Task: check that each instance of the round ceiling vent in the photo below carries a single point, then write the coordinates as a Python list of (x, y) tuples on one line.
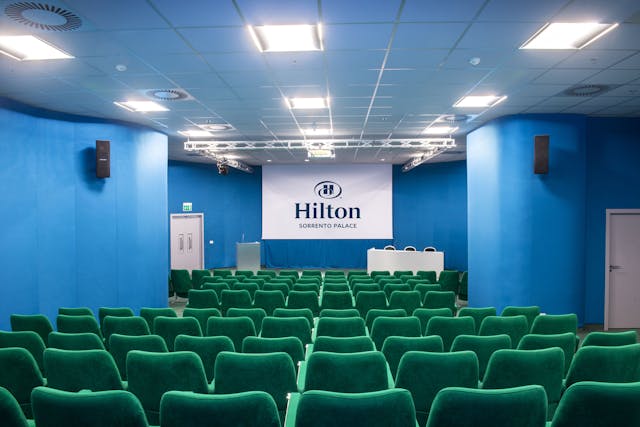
[(43, 16), (586, 90), (455, 118), (215, 127), (167, 94)]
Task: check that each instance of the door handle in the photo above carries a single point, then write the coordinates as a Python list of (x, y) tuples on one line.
[(614, 267), (181, 242), (190, 242)]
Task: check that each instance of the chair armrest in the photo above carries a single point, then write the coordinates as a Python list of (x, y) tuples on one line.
[(302, 375), (292, 409)]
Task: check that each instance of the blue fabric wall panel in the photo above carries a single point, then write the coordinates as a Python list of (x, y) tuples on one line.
[(613, 182), (526, 231)]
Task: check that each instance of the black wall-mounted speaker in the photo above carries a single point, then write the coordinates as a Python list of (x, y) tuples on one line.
[(541, 154), (103, 159)]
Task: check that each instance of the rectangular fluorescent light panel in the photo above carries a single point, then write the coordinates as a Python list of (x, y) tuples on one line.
[(30, 48), (141, 106), (479, 101), (286, 38), (321, 153), (307, 103), (567, 35), (439, 130), (195, 133)]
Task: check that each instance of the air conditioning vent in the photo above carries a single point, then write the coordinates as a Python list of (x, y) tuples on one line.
[(43, 16)]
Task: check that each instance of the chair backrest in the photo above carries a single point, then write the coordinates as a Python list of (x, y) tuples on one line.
[(121, 345), (615, 364), (341, 327), (423, 288), (360, 287), (407, 300), (81, 341), (150, 313), (75, 311), (114, 312), (389, 248), (410, 248), (294, 312), (38, 323), (151, 374), (181, 281), (266, 273), (273, 286), (385, 408), (131, 325), (449, 328), (207, 348), (250, 287), (235, 298), (256, 315), (430, 275), (10, 412), (202, 315), (22, 376), (75, 370), (610, 338), (368, 300), (478, 314), (346, 372), (222, 272), (384, 327), (339, 313), (449, 280), (514, 368), (217, 287), (336, 300), (170, 327), (289, 273), (290, 345), (236, 328), (73, 324), (53, 408), (245, 273), (314, 286), (28, 340), (336, 287), (390, 287), (440, 299), (251, 408), (395, 347), (304, 299), (555, 324), (595, 403), (273, 373), (514, 326), (424, 314), (566, 341), (483, 347), (374, 313), (511, 407), (269, 300), (203, 298), (197, 276), (530, 312), (425, 373), (343, 344), (277, 327)]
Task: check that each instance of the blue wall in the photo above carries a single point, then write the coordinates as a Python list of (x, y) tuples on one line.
[(429, 209), (527, 231), (613, 182), (71, 239)]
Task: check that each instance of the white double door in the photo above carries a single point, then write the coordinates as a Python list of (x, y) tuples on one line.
[(187, 241)]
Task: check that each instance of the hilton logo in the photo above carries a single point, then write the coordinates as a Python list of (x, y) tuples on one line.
[(328, 189)]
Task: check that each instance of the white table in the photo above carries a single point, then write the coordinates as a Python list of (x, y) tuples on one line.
[(380, 259)]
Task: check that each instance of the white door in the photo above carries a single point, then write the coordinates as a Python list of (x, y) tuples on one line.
[(622, 302), (187, 241)]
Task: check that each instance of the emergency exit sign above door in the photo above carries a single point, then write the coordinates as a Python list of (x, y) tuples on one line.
[(187, 206)]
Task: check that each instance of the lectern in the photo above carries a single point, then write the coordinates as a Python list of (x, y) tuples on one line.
[(248, 256)]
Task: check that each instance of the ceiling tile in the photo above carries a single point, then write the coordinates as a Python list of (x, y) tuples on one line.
[(279, 12), (117, 14), (199, 13), (150, 42), (427, 36), (358, 11), (433, 10), (509, 10), (565, 76), (597, 59), (498, 35), (356, 36), (613, 77)]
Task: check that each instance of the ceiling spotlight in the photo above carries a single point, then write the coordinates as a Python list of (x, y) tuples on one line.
[(474, 61), (567, 35), (287, 38)]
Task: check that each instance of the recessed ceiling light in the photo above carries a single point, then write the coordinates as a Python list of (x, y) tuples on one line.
[(215, 127), (317, 131), (287, 38), (307, 103), (268, 160), (141, 106), (306, 160), (567, 35), (479, 101), (30, 48), (321, 153), (195, 133), (439, 130)]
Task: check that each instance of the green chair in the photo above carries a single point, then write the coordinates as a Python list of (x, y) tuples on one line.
[(395, 347), (345, 372), (235, 299), (290, 345), (407, 300), (424, 374), (368, 300), (306, 287), (610, 338), (389, 288), (282, 287), (341, 327), (181, 281), (304, 299), (343, 344), (423, 288), (362, 287), (266, 273), (217, 287), (429, 275), (289, 281), (379, 273), (309, 281), (197, 276), (221, 272), (55, 408), (599, 404), (515, 368), (121, 345), (511, 407), (202, 315), (406, 277), (269, 300), (614, 364), (207, 348), (385, 408), (311, 273), (113, 312), (384, 327), (28, 340), (151, 374), (236, 328), (336, 287), (478, 314), (449, 280), (463, 286), (257, 315), (354, 274), (232, 280), (566, 341), (293, 274), (246, 286), (133, 325), (273, 373), (424, 314), (440, 299), (209, 279), (170, 327), (245, 273), (514, 326), (72, 324), (80, 341), (75, 370), (20, 375), (555, 324), (203, 298), (251, 408), (334, 273), (448, 328), (483, 347), (38, 323), (277, 327), (339, 313), (75, 311), (374, 313), (336, 300), (150, 313), (10, 412), (400, 273), (294, 312), (362, 280), (530, 312)]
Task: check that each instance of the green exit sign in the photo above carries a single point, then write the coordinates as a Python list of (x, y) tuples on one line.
[(187, 206)]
